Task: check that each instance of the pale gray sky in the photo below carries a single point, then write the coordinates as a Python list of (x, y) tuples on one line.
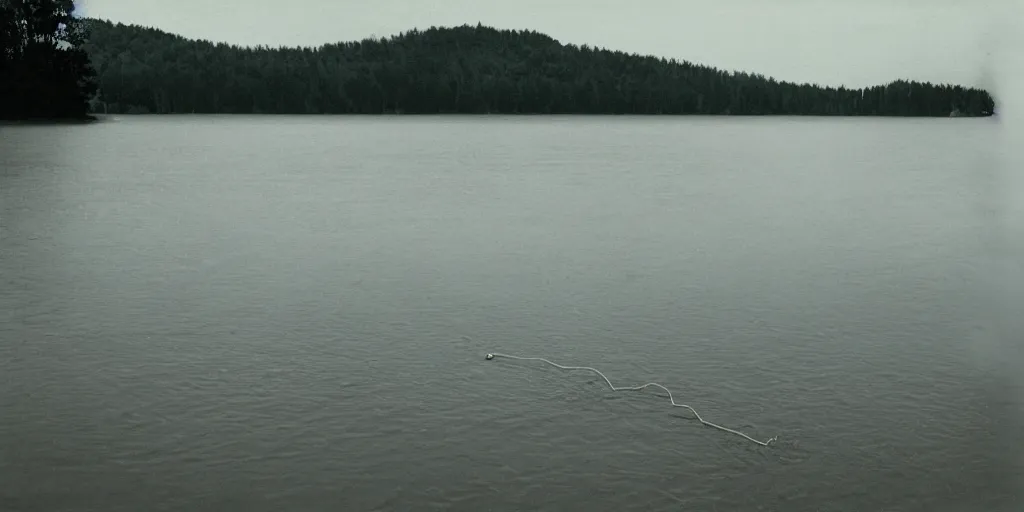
[(852, 42)]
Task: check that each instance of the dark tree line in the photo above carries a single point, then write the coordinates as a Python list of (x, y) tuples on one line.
[(44, 72), (464, 70)]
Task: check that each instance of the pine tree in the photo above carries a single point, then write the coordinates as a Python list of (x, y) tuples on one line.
[(44, 71)]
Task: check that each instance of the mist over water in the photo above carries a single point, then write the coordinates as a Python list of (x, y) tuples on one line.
[(1004, 349), (1010, 94)]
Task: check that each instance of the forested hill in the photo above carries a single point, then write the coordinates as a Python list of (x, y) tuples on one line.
[(463, 69)]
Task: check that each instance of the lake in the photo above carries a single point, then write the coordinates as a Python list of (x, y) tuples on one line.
[(292, 313)]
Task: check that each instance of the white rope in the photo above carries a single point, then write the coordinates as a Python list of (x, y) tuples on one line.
[(637, 388)]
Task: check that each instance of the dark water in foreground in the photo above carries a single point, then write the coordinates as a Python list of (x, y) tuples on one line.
[(244, 313)]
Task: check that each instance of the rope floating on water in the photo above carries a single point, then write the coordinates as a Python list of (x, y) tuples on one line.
[(637, 388)]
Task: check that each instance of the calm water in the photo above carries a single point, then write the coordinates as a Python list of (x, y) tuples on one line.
[(277, 313)]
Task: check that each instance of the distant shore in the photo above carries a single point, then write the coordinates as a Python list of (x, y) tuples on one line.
[(467, 70), (99, 116)]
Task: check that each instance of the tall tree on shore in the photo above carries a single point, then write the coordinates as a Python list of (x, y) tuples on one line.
[(44, 71)]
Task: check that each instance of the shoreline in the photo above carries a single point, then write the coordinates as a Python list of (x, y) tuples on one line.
[(91, 118), (520, 114)]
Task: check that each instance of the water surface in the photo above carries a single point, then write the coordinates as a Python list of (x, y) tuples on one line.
[(291, 313)]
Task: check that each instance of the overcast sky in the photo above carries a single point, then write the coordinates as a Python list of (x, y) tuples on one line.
[(852, 42)]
